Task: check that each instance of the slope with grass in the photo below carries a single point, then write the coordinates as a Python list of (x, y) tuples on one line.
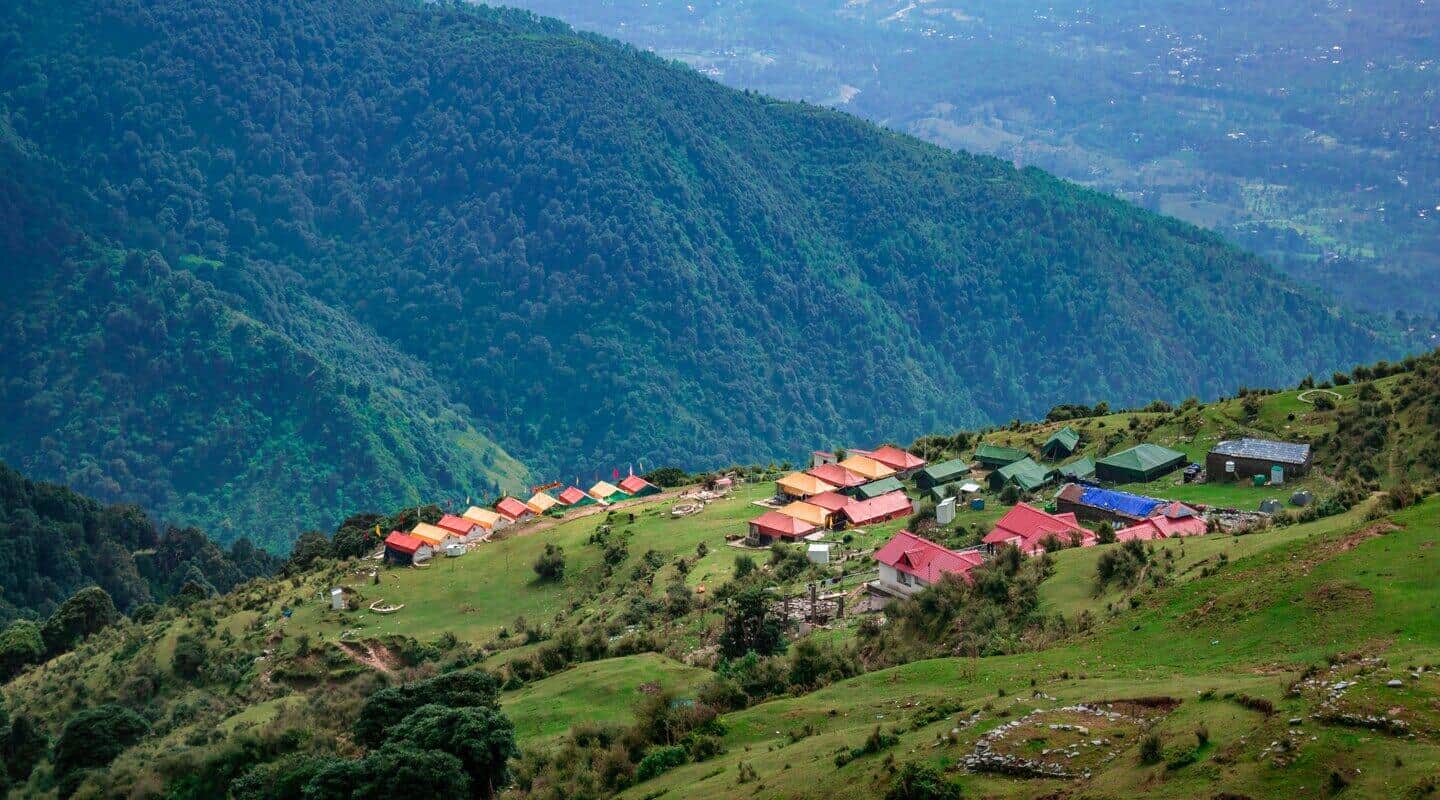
[(1227, 628)]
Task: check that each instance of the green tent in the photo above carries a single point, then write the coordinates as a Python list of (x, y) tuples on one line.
[(994, 456), (877, 488), (1081, 469), (1140, 464), (1025, 473), (944, 472), (1061, 444)]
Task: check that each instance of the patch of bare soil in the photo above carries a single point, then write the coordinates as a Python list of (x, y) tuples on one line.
[(371, 654)]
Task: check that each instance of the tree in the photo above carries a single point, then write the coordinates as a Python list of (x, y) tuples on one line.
[(482, 738), (667, 477), (87, 612), (189, 656), (1105, 533), (387, 707), (750, 626), (356, 536), (309, 547), (550, 566), (24, 746), (918, 780), (20, 645), (92, 739)]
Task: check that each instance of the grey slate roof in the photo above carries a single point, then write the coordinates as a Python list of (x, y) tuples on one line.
[(1264, 450)]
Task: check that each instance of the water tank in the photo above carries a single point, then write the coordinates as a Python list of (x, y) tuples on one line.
[(1277, 474)]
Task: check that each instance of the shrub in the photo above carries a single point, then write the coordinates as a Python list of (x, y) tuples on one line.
[(550, 566), (659, 760), (918, 780), (1150, 750)]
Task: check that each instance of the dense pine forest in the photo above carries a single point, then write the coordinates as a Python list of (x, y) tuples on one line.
[(271, 262)]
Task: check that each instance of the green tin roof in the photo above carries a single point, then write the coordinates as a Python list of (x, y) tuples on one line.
[(877, 488), (1026, 473), (999, 455), (945, 471), (1067, 437), (1142, 457), (1083, 467)]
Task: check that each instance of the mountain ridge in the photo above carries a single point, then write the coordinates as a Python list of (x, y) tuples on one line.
[(592, 257)]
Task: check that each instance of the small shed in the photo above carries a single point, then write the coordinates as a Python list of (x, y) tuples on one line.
[(773, 525), (1061, 444), (818, 553), (945, 511)]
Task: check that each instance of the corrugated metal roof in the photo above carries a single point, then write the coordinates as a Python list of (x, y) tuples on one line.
[(1264, 450)]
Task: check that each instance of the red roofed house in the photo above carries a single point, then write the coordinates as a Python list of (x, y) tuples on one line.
[(636, 486), (575, 496), (1162, 527), (514, 510), (904, 463), (467, 529), (1027, 527), (909, 563), (833, 503), (773, 525), (838, 476), (404, 549), (874, 511)]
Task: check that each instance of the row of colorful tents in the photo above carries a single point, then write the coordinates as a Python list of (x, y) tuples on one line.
[(478, 523)]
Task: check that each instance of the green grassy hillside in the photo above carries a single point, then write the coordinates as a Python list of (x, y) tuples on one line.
[(467, 232), (1227, 652)]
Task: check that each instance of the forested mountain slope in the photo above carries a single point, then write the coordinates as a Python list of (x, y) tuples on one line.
[(54, 542), (381, 233)]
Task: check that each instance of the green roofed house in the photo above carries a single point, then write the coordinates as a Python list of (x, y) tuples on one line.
[(1140, 464), (942, 473), (1081, 469), (1061, 444), (1025, 473), (994, 456), (874, 489)]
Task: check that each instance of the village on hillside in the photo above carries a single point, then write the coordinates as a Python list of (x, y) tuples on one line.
[(886, 521)]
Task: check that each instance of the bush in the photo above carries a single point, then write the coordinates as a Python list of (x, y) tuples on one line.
[(659, 760), (1150, 750), (92, 739), (189, 656), (918, 780), (550, 566)]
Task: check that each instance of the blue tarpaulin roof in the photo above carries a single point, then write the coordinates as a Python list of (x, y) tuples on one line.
[(1133, 505)]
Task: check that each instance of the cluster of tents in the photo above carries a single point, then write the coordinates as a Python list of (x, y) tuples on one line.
[(454, 532)]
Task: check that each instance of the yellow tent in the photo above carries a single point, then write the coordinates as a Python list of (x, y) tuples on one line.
[(606, 491), (541, 502), (432, 535), (483, 517), (815, 515), (798, 484), (867, 467)]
